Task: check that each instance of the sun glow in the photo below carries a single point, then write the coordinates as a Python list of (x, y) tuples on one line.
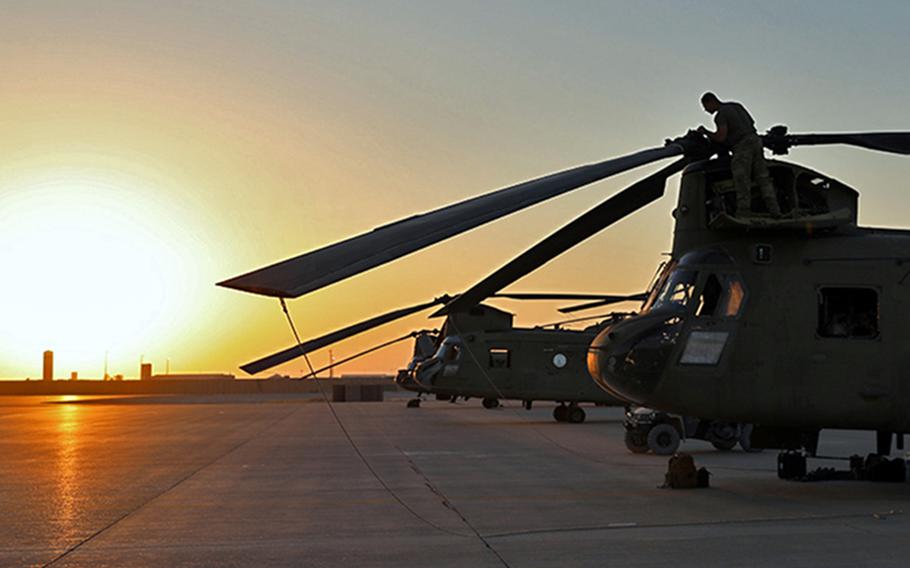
[(89, 266)]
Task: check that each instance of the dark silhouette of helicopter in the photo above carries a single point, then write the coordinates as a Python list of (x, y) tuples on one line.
[(479, 353), (794, 324)]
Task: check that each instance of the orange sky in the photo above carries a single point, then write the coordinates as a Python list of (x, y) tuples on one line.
[(148, 152)]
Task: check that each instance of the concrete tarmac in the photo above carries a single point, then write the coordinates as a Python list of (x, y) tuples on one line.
[(274, 481)]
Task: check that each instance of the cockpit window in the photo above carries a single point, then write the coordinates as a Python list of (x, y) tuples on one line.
[(449, 350), (709, 297), (657, 285), (678, 288), (736, 293), (721, 296), (451, 354)]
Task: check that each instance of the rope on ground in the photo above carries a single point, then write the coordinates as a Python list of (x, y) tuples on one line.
[(353, 444)]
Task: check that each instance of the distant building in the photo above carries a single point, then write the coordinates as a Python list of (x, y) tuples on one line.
[(74, 376), (47, 372), (145, 372)]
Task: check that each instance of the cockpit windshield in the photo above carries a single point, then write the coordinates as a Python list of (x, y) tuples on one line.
[(676, 289), (450, 349), (720, 296)]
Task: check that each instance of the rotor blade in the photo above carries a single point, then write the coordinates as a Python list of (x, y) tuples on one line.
[(586, 318), (604, 302), (297, 276), (362, 353), (295, 351), (595, 220), (896, 142), (553, 296)]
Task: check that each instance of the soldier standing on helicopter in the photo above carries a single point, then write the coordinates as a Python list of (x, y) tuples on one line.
[(736, 131)]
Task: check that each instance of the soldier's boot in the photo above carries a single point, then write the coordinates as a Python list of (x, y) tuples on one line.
[(743, 205), (769, 195), (770, 199)]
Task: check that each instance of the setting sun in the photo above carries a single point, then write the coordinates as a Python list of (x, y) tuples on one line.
[(97, 267)]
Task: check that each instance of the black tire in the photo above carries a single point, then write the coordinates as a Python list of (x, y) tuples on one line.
[(414, 403), (663, 439), (560, 413), (575, 415), (489, 403), (636, 442)]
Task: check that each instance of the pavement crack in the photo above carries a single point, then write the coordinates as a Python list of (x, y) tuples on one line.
[(451, 506)]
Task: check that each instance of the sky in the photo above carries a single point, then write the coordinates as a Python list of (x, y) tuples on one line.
[(149, 150)]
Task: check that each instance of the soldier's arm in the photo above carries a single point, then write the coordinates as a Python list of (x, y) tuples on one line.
[(719, 136)]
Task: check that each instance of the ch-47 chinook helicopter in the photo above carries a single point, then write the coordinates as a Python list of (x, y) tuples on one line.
[(794, 324), (479, 353)]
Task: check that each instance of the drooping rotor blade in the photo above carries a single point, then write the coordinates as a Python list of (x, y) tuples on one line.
[(779, 142), (611, 315), (595, 220), (604, 302), (312, 345), (313, 270), (362, 353), (554, 296)]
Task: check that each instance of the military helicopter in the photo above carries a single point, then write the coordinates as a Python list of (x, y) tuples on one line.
[(479, 353), (792, 324)]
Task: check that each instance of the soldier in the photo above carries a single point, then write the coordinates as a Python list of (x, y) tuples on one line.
[(736, 131)]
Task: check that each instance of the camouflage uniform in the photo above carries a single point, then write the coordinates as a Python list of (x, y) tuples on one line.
[(748, 162)]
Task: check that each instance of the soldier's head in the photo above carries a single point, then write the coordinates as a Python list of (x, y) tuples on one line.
[(710, 102)]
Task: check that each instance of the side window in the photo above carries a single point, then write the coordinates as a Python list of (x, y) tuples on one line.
[(500, 358), (847, 312)]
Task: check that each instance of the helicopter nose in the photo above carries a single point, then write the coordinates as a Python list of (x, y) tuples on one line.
[(627, 359)]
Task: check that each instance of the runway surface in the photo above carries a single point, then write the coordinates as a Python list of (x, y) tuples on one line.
[(274, 480)]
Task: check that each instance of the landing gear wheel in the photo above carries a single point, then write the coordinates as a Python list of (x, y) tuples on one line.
[(490, 403), (414, 403), (527, 404), (663, 439), (575, 414), (636, 442), (560, 413)]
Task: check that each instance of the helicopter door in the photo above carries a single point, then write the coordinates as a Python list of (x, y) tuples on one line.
[(707, 346)]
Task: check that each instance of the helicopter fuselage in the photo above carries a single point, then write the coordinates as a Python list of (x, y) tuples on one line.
[(521, 364), (480, 354), (797, 322)]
